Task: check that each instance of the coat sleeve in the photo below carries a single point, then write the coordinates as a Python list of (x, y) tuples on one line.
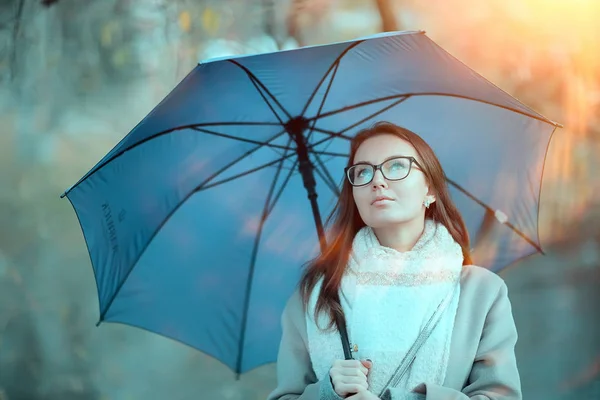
[(494, 374), (296, 379)]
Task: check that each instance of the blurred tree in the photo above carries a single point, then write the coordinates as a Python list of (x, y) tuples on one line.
[(389, 22), (270, 21), (21, 359), (25, 371), (15, 9), (313, 10)]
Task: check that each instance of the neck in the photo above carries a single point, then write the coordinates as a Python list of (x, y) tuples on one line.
[(401, 237)]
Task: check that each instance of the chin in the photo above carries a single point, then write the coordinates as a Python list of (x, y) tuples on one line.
[(387, 221)]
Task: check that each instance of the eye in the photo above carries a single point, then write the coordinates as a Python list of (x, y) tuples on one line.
[(362, 171), (398, 164)]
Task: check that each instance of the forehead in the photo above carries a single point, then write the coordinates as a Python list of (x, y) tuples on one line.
[(378, 148)]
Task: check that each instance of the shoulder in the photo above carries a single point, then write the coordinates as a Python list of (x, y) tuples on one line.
[(294, 307), (472, 275), (481, 285), (293, 319)]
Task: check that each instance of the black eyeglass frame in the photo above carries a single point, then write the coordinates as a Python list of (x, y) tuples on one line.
[(411, 160)]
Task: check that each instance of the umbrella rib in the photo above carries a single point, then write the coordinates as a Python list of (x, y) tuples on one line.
[(255, 84), (542, 180), (326, 176), (264, 216), (401, 100), (340, 133), (328, 153), (322, 101), (332, 134), (366, 103), (313, 145), (198, 188), (489, 209), (325, 152), (195, 190), (250, 171), (166, 132), (205, 186), (249, 123), (257, 81), (240, 158), (262, 144), (334, 64), (357, 105), (327, 131), (285, 182)]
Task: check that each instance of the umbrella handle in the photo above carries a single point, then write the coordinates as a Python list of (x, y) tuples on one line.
[(344, 335)]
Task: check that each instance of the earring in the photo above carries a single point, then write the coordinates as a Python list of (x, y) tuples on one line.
[(427, 202)]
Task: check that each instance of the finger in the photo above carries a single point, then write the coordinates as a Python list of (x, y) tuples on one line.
[(347, 363), (350, 363), (346, 389), (353, 364), (356, 364), (364, 369), (352, 372), (359, 380), (339, 380), (367, 363)]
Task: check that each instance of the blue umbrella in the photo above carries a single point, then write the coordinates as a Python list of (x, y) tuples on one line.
[(198, 221)]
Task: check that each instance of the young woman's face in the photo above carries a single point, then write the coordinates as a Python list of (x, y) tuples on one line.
[(405, 197)]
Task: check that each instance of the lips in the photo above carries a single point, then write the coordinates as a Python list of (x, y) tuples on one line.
[(380, 198)]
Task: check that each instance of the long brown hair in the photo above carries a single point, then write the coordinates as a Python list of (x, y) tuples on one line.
[(345, 221)]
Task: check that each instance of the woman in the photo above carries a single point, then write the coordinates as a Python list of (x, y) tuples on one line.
[(397, 274)]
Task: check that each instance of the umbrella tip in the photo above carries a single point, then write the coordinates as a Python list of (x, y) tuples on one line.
[(99, 322)]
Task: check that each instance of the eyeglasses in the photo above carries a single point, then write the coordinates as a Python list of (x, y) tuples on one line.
[(394, 169)]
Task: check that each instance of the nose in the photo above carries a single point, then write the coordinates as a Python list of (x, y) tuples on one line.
[(378, 181)]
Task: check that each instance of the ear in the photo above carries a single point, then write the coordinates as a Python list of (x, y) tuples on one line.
[(431, 198)]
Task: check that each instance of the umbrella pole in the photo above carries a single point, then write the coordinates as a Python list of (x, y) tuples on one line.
[(308, 177), (296, 128), (310, 185)]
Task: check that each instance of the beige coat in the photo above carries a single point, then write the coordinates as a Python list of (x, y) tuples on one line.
[(482, 361)]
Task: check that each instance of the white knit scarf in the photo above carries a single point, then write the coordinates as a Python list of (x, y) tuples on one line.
[(387, 297)]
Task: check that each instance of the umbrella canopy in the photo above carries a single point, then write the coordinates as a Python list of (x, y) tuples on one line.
[(198, 221)]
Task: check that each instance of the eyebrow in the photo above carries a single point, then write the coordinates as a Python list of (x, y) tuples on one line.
[(389, 158)]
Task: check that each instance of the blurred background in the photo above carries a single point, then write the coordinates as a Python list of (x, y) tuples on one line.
[(77, 75)]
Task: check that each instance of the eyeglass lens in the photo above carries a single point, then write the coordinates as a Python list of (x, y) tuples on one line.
[(394, 169)]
